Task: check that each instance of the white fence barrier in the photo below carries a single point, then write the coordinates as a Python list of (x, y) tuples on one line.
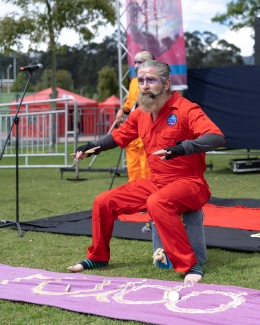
[(39, 131)]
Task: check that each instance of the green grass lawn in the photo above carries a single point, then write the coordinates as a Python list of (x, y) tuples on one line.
[(42, 193)]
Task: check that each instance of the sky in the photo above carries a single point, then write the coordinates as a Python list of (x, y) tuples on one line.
[(196, 15)]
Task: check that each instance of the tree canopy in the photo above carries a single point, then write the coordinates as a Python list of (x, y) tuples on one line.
[(84, 62), (107, 83), (239, 14), (41, 22), (64, 80), (19, 84), (80, 66), (206, 50)]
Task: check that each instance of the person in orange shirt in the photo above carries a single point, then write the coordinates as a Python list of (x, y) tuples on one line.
[(136, 160), (176, 134)]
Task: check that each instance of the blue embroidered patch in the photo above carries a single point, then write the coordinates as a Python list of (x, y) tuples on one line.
[(172, 120)]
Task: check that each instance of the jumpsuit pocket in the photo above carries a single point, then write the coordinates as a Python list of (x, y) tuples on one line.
[(169, 137)]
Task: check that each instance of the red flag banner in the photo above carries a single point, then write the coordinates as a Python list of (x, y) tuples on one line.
[(156, 25)]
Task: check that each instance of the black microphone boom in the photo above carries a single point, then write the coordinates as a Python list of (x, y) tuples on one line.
[(154, 95), (32, 67)]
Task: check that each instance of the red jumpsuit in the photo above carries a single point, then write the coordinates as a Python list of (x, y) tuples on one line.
[(174, 186)]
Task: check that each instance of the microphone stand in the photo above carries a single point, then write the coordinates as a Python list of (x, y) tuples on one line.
[(7, 223)]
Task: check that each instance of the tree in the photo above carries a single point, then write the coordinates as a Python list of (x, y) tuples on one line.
[(41, 21), (64, 80), (20, 82), (107, 83), (206, 50), (224, 54), (9, 59), (84, 62), (195, 49), (239, 14)]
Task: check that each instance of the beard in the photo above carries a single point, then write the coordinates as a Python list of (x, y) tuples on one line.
[(152, 105)]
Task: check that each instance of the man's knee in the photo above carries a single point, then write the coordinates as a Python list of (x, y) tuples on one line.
[(101, 198), (155, 202)]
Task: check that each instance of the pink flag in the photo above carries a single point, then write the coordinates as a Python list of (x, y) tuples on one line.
[(156, 25)]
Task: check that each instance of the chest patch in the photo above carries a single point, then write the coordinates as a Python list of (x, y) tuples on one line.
[(172, 120)]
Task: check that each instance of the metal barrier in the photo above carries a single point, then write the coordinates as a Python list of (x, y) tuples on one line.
[(40, 132), (106, 120)]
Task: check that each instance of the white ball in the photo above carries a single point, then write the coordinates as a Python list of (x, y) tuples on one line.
[(174, 296)]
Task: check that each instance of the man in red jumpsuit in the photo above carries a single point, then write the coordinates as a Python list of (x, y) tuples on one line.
[(176, 134), (138, 167)]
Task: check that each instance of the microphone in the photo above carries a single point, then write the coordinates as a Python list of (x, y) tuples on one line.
[(32, 67), (154, 95)]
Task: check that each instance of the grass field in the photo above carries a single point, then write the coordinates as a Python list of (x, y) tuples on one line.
[(42, 193)]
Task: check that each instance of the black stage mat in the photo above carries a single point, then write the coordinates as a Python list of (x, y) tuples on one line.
[(247, 203), (79, 223)]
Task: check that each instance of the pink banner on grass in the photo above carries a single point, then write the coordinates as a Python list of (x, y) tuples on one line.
[(145, 300), (156, 25)]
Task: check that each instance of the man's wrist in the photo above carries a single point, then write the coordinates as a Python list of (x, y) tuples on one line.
[(176, 151)]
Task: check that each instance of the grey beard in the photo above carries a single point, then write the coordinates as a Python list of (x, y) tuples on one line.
[(152, 105)]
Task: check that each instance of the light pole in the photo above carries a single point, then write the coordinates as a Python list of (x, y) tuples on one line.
[(14, 57), (8, 78)]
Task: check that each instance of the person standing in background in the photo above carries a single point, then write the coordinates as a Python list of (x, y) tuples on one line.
[(136, 160)]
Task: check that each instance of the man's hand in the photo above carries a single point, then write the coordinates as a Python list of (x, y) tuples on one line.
[(80, 152), (170, 152), (120, 115)]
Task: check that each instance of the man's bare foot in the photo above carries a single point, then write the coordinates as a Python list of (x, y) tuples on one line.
[(76, 268), (192, 278)]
